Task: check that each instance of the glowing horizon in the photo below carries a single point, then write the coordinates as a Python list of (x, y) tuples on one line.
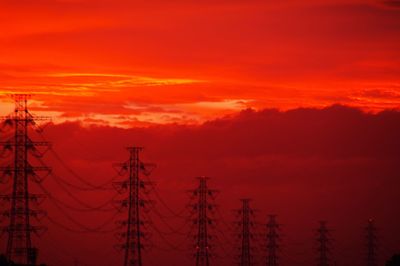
[(96, 59)]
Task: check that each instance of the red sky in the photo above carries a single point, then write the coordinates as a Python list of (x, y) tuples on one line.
[(242, 91), (138, 62)]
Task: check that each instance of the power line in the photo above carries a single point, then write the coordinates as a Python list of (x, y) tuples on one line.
[(83, 227), (166, 241), (19, 245), (77, 176), (160, 199), (90, 186), (87, 207), (65, 182), (177, 231), (82, 203)]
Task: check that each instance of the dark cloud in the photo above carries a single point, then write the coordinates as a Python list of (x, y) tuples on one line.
[(337, 163), (392, 3)]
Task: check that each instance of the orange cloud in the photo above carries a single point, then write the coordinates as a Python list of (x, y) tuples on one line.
[(86, 58)]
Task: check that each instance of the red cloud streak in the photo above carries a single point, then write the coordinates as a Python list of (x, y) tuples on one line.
[(265, 54)]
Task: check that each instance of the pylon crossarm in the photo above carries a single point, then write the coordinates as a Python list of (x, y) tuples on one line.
[(19, 245)]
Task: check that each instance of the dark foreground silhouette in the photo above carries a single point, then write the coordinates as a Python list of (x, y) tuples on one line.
[(394, 261), (5, 262)]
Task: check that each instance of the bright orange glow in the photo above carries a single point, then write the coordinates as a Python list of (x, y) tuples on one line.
[(187, 62)]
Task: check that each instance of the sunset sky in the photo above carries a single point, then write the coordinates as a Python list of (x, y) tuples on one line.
[(293, 103), (129, 63)]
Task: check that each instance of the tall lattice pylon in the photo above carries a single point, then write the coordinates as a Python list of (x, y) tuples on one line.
[(204, 207), (371, 243), (246, 236), (19, 245), (134, 203), (324, 243), (273, 239)]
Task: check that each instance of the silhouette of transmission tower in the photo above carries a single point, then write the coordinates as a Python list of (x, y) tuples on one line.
[(246, 226), (204, 207), (273, 239), (135, 225), (371, 243), (19, 245), (324, 242)]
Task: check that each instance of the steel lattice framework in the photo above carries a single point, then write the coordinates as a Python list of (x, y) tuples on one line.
[(19, 245), (273, 239), (203, 207), (246, 235), (134, 225), (324, 242)]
